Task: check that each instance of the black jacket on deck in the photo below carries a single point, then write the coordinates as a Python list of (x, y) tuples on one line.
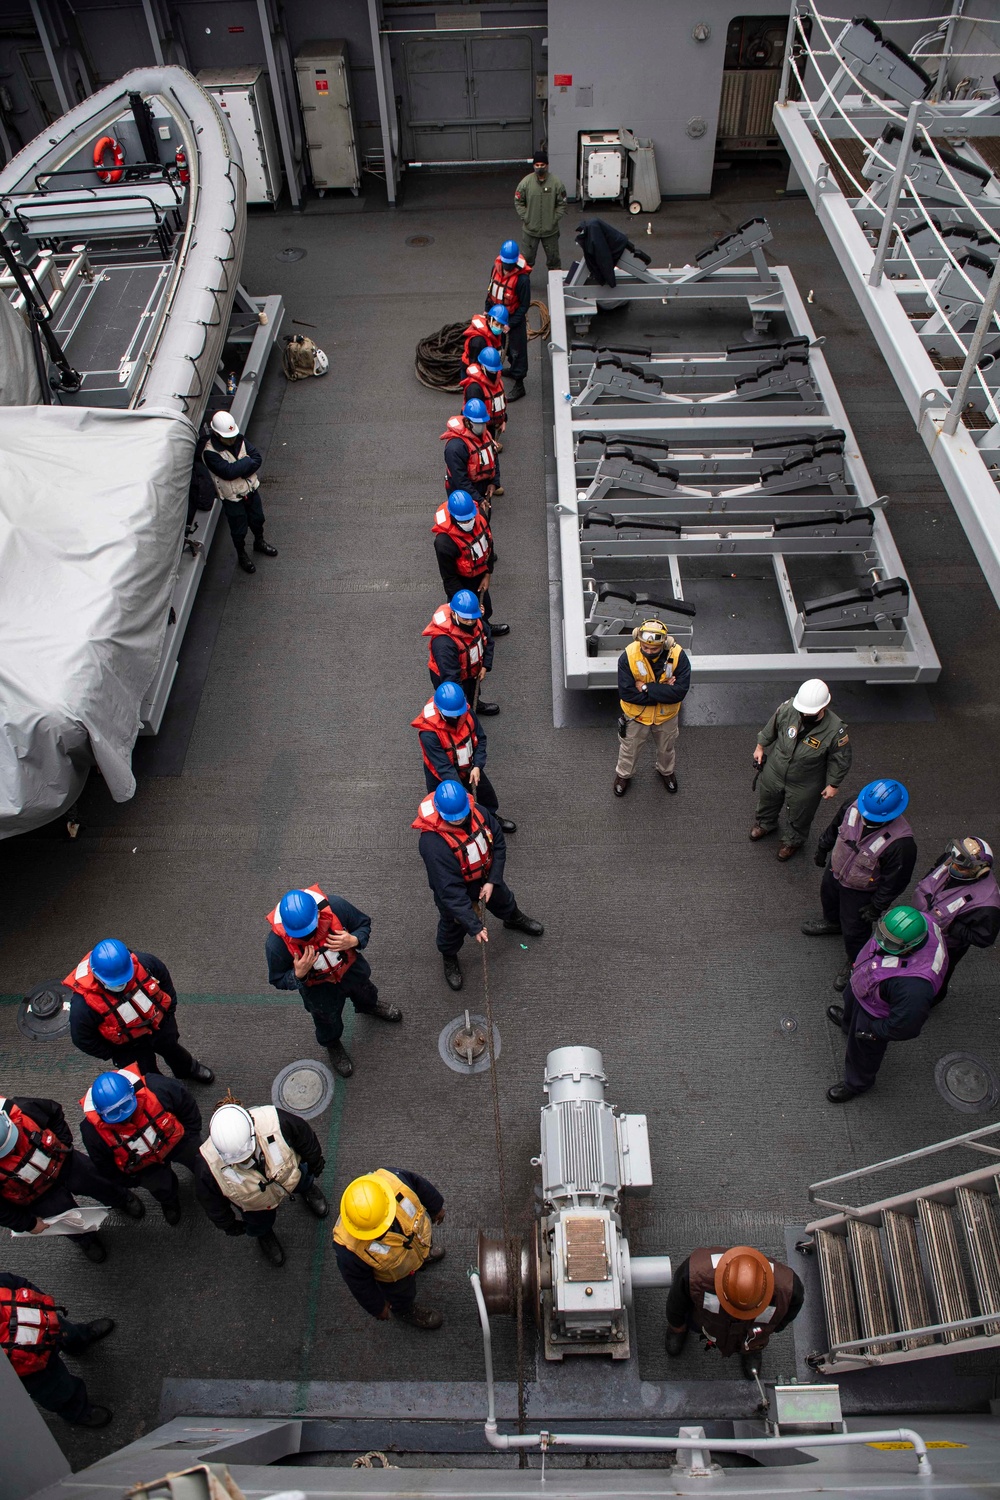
[(445, 654), (894, 869), (445, 877), (303, 1141), (361, 1278), (601, 246), (446, 552), (84, 1023), (47, 1115), (656, 692), (172, 1096)]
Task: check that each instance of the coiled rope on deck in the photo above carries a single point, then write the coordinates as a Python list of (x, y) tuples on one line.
[(438, 361)]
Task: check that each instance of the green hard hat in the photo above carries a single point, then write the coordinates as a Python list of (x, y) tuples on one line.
[(901, 929)]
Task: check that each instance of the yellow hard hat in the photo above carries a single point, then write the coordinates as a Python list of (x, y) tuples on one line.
[(651, 629), (367, 1207)]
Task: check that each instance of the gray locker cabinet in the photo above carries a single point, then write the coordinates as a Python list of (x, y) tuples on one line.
[(244, 96), (325, 96)]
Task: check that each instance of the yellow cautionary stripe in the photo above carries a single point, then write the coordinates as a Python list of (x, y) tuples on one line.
[(940, 1443)]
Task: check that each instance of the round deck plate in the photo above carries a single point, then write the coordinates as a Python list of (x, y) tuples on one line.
[(967, 1082), (451, 1059), (43, 1014), (304, 1088), (291, 252)]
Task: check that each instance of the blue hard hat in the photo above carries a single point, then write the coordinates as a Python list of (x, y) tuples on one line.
[(881, 801), (450, 700), (490, 360), (299, 913), (498, 313), (475, 411), (111, 963), (8, 1135), (113, 1097), (466, 605), (452, 801), (510, 252), (461, 506)]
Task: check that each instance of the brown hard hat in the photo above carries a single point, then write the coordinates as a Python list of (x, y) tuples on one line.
[(744, 1282)]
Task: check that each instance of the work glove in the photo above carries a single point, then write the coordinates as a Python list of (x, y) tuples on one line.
[(236, 1229), (820, 858), (869, 913)]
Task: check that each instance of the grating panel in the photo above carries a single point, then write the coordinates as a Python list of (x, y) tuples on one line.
[(951, 1295), (870, 1284), (907, 1275), (978, 1212), (837, 1287)]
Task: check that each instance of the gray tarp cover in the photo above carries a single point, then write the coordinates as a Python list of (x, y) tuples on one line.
[(92, 511), (18, 375)]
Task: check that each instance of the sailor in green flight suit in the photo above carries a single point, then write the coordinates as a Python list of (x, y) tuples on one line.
[(805, 753)]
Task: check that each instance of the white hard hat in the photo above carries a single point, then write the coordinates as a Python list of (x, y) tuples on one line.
[(223, 425), (811, 696), (232, 1133), (8, 1134)]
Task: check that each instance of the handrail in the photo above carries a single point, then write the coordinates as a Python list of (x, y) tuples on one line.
[(972, 1139), (910, 1333), (601, 1441)]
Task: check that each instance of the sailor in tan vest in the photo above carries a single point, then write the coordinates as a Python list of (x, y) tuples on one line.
[(383, 1237), (736, 1299), (253, 1160)]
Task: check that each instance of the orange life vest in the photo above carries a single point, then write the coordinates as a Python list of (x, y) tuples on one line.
[(472, 846), (471, 644), (492, 388), (479, 328), (29, 1328), (503, 283), (482, 450), (147, 1137), (457, 738), (35, 1162), (136, 1011), (474, 547), (330, 966)]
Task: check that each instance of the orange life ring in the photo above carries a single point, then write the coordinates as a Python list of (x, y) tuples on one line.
[(180, 158), (105, 172)]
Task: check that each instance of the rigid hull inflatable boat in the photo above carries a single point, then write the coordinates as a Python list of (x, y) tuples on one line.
[(123, 227)]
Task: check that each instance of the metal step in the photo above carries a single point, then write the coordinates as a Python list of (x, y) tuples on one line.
[(837, 1286), (978, 1212), (951, 1295), (906, 1274), (870, 1282)]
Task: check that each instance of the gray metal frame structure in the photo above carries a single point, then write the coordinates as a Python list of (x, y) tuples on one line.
[(917, 242), (710, 497)]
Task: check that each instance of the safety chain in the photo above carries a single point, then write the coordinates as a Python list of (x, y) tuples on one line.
[(512, 1251)]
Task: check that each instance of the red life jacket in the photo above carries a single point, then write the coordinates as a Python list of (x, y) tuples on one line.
[(479, 328), (147, 1137), (503, 283), (29, 1328), (136, 1011), (457, 738), (472, 846), (482, 450), (474, 547), (493, 392), (35, 1162), (471, 644), (330, 966)]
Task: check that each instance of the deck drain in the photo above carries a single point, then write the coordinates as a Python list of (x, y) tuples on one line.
[(292, 252), (304, 1088), (418, 241), (967, 1082), (789, 1024), (43, 1014), (464, 1046)]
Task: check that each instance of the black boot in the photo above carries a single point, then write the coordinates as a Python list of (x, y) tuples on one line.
[(200, 1073), (507, 824), (99, 1329), (172, 1211), (270, 1247), (675, 1341), (316, 1201), (92, 1247), (520, 923), (487, 710), (843, 975), (244, 561), (421, 1317), (94, 1416), (499, 629), (133, 1206), (516, 391), (452, 971), (264, 548), (340, 1059)]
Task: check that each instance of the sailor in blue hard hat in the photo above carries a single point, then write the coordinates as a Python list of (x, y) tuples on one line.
[(482, 382), (461, 647), (135, 1128), (510, 287), (463, 547), (315, 946), (453, 746), (34, 1334), (486, 330), (872, 853), (124, 1010), (471, 456), (463, 849)]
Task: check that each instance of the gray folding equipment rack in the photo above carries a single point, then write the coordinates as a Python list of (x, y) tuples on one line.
[(675, 469)]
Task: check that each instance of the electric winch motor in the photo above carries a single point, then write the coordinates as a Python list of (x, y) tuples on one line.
[(578, 1276)]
